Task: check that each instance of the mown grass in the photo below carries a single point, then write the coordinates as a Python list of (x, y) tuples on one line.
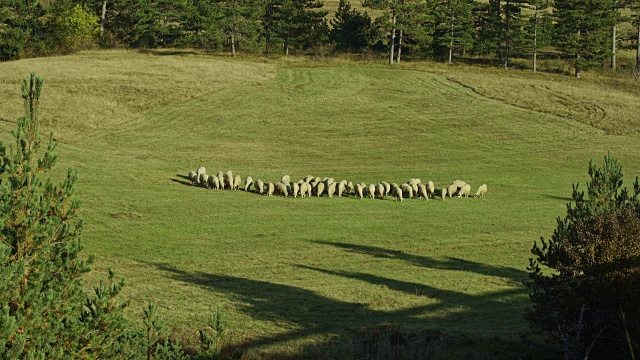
[(289, 272)]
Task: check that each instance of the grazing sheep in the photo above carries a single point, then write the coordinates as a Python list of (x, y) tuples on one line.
[(192, 177), (317, 180), (328, 182), (459, 184), (247, 183), (364, 185), (387, 188), (443, 193), (431, 188), (295, 188), (259, 186), (359, 191), (304, 188), (228, 180), (237, 182), (350, 188), (371, 191), (396, 192), (466, 189), (331, 189), (380, 191), (201, 170), (341, 188), (422, 190), (270, 189), (309, 190), (319, 189), (408, 190), (286, 179), (212, 182), (452, 189), (308, 178), (289, 188), (482, 190), (220, 176), (300, 182), (203, 179), (414, 187), (282, 189)]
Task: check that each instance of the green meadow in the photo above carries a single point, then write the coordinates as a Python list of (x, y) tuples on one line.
[(288, 272)]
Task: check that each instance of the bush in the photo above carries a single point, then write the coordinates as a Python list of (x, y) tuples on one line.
[(77, 29), (45, 313), (584, 281)]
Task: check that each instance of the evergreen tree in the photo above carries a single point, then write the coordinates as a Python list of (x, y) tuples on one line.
[(387, 22), (583, 29), (454, 30), (350, 29), (415, 22), (239, 20), (488, 24), (298, 24), (538, 30), (588, 299)]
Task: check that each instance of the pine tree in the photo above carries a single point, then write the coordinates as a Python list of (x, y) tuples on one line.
[(415, 23), (45, 313), (350, 29), (297, 24), (454, 29), (585, 279), (583, 29), (538, 30)]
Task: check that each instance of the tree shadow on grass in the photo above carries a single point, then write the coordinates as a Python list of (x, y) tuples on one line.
[(554, 197), (310, 314), (448, 263)]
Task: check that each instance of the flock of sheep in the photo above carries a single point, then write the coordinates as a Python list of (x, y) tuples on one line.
[(315, 186)]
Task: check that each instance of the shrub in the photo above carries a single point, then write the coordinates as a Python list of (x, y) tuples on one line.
[(584, 281)]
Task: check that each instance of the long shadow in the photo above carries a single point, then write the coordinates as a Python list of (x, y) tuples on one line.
[(308, 313), (554, 197), (448, 263), (181, 182)]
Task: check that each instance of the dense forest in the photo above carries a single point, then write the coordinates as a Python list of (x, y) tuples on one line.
[(586, 33)]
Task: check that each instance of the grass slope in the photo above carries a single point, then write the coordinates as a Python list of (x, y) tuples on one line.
[(288, 271)]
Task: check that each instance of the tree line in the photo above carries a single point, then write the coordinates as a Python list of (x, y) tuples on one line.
[(584, 32)]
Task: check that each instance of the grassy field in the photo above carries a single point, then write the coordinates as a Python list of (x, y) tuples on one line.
[(288, 272)]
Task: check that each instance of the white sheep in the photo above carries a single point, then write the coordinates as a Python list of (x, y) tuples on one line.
[(212, 180), (452, 189), (304, 188), (482, 190), (282, 189), (372, 191), (443, 193), (220, 176), (286, 179), (359, 190), (309, 189), (387, 188), (247, 183), (396, 192), (259, 186), (308, 178), (466, 189), (203, 179), (380, 191), (295, 188), (422, 190), (201, 170), (408, 190), (331, 189), (237, 181), (341, 188), (228, 180), (319, 189), (350, 188), (270, 189), (431, 188)]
